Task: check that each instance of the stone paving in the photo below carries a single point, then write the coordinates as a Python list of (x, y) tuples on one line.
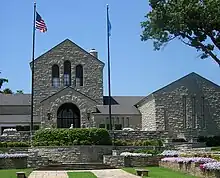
[(106, 173), (48, 174)]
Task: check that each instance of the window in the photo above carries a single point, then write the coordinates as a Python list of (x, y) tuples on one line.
[(67, 73), (117, 120), (203, 112), (55, 76), (165, 120), (193, 112), (184, 112), (123, 122), (128, 124), (79, 75)]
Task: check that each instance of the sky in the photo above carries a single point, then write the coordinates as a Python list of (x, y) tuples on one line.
[(136, 69)]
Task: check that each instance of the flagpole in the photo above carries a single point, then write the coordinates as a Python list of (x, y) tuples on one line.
[(109, 74), (32, 81)]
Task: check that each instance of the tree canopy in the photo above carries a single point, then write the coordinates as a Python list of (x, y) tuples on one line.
[(195, 22), (7, 91), (2, 80)]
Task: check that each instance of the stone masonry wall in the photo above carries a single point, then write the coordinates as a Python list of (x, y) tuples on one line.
[(179, 107), (13, 163), (139, 135), (131, 161), (148, 112), (92, 73), (76, 154), (190, 168)]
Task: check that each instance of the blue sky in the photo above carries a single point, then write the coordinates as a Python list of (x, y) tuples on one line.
[(136, 68)]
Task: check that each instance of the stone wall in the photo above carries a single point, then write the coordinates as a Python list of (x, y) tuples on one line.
[(13, 163), (148, 112), (92, 79), (190, 168), (188, 107), (139, 135), (114, 161), (76, 154), (131, 161)]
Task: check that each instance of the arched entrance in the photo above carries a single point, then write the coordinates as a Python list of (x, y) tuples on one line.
[(68, 114)]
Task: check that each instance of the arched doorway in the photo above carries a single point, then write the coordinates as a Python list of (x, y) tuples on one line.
[(68, 114)]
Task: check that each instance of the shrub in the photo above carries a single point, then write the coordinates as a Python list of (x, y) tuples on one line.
[(210, 141), (68, 137)]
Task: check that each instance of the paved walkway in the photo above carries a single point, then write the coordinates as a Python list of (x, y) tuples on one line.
[(106, 173), (113, 173), (48, 174)]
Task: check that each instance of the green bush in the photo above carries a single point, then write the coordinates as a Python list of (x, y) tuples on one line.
[(68, 137), (119, 142), (210, 141), (14, 144)]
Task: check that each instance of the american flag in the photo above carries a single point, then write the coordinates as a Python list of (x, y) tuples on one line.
[(40, 24)]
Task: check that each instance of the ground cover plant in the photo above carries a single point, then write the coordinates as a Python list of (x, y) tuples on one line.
[(11, 173), (81, 175), (158, 172)]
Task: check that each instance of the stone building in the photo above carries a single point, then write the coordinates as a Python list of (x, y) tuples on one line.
[(68, 90), (188, 106)]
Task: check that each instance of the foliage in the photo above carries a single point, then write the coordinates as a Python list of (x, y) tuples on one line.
[(172, 153), (68, 137), (14, 144), (7, 91), (19, 92), (194, 22), (188, 160), (158, 172), (210, 141), (3, 80), (11, 173), (81, 175), (178, 140), (119, 142), (211, 166)]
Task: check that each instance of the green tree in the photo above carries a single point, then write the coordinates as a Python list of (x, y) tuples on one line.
[(2, 80), (7, 91), (195, 22), (19, 92)]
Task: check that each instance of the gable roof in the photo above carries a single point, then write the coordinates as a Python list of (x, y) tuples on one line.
[(120, 105), (65, 89), (72, 43), (191, 77), (15, 99)]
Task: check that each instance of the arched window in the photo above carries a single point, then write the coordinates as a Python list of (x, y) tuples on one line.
[(79, 75), (55, 76), (67, 73)]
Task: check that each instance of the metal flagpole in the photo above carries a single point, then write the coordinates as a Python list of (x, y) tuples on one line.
[(109, 74), (32, 81)]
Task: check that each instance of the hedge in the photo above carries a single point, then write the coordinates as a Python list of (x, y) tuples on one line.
[(119, 142), (210, 141), (68, 137)]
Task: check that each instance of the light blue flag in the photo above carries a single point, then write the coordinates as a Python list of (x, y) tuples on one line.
[(108, 23)]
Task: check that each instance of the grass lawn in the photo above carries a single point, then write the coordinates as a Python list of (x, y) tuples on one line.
[(158, 172), (81, 175), (11, 173)]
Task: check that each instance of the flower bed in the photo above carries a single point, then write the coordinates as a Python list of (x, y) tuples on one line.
[(170, 153), (13, 161), (135, 154), (197, 166)]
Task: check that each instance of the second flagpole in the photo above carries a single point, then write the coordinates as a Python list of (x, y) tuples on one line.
[(32, 80)]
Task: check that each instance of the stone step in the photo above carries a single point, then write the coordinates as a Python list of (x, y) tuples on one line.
[(75, 166)]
